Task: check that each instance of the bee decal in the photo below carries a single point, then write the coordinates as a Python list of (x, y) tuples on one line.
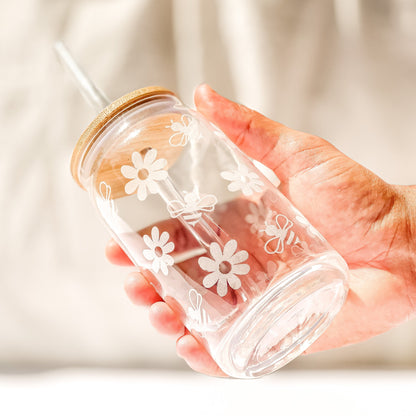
[(105, 192), (196, 312), (192, 206), (185, 130), (281, 235)]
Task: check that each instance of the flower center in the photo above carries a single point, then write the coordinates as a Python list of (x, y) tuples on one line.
[(244, 179), (143, 174), (225, 267), (158, 251)]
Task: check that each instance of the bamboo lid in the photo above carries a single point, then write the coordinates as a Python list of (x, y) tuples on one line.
[(90, 135)]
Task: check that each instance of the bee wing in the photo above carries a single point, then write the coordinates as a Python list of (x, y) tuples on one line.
[(175, 126), (105, 190), (193, 298), (177, 139), (282, 219), (271, 230), (186, 120), (279, 246), (175, 208), (207, 203)]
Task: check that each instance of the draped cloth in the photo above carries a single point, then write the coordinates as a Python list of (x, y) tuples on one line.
[(346, 73)]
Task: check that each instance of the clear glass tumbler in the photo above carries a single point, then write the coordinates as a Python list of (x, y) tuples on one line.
[(247, 273)]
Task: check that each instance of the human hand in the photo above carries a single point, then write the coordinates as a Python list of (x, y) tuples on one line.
[(369, 222)]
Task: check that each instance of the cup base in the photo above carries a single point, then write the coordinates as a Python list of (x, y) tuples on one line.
[(286, 320)]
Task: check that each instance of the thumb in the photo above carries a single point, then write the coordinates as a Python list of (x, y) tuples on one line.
[(285, 151)]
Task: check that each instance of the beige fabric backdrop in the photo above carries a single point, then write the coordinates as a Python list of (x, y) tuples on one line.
[(342, 70)]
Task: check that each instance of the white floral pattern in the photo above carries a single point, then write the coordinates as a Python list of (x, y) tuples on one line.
[(224, 266), (243, 179), (159, 249), (185, 130), (257, 217), (145, 174)]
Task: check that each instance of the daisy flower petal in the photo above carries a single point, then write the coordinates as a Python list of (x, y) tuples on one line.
[(210, 280), (142, 191), (235, 186), (152, 186), (229, 249), (207, 264), (169, 247), (131, 186), (148, 254), (137, 159), (239, 257), (156, 265), (148, 241), (256, 187), (169, 260), (222, 288), (164, 238), (129, 172), (229, 176), (155, 235), (240, 269), (215, 251), (234, 282), (164, 268), (150, 157), (159, 175), (250, 218), (245, 188), (158, 164)]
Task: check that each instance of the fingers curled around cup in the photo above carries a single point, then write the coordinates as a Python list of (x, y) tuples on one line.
[(165, 320), (116, 255), (197, 357), (139, 290)]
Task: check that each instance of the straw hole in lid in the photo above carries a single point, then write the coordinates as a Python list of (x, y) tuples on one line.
[(144, 151)]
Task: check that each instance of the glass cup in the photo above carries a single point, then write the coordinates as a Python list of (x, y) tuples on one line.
[(251, 279)]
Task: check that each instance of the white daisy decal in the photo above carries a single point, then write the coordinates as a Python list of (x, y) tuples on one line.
[(145, 174), (257, 217), (244, 180), (224, 266), (159, 249)]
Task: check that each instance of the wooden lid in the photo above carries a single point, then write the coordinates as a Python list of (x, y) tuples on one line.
[(91, 133)]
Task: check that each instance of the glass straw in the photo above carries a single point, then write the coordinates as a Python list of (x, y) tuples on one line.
[(202, 231), (93, 95)]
